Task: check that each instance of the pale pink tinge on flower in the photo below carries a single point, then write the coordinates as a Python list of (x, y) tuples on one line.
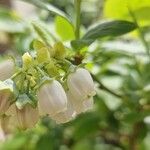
[(52, 98), (27, 117), (4, 101), (11, 110)]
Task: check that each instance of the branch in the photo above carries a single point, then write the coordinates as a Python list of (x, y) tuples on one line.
[(103, 87), (78, 22)]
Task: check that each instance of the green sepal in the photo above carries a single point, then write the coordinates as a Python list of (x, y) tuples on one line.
[(27, 60), (52, 69), (34, 99), (82, 65), (43, 81), (59, 50), (38, 44), (43, 55), (25, 99)]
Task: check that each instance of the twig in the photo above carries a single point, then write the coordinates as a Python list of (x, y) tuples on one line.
[(103, 87), (78, 22)]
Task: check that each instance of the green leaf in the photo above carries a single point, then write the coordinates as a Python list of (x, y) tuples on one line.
[(79, 44), (102, 30), (140, 9), (110, 28), (49, 7), (64, 29), (15, 143)]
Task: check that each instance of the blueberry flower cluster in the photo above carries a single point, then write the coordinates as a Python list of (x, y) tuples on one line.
[(44, 83)]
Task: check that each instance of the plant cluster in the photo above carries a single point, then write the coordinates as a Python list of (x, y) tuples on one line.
[(45, 83)]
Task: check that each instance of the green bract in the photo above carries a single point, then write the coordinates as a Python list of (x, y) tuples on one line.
[(24, 99)]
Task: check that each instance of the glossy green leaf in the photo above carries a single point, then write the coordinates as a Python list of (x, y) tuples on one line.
[(79, 44), (102, 30), (110, 28), (64, 29)]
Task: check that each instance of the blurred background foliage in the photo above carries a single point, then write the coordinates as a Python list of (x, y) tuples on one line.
[(120, 67)]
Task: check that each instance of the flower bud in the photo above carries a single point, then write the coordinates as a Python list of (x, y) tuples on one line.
[(52, 98), (81, 106), (67, 115), (6, 69), (80, 84), (27, 117)]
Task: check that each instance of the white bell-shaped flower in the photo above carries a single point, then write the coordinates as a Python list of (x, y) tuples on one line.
[(6, 69), (8, 123), (6, 95), (81, 106), (4, 102), (67, 115), (27, 117), (80, 84), (52, 98), (11, 110)]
